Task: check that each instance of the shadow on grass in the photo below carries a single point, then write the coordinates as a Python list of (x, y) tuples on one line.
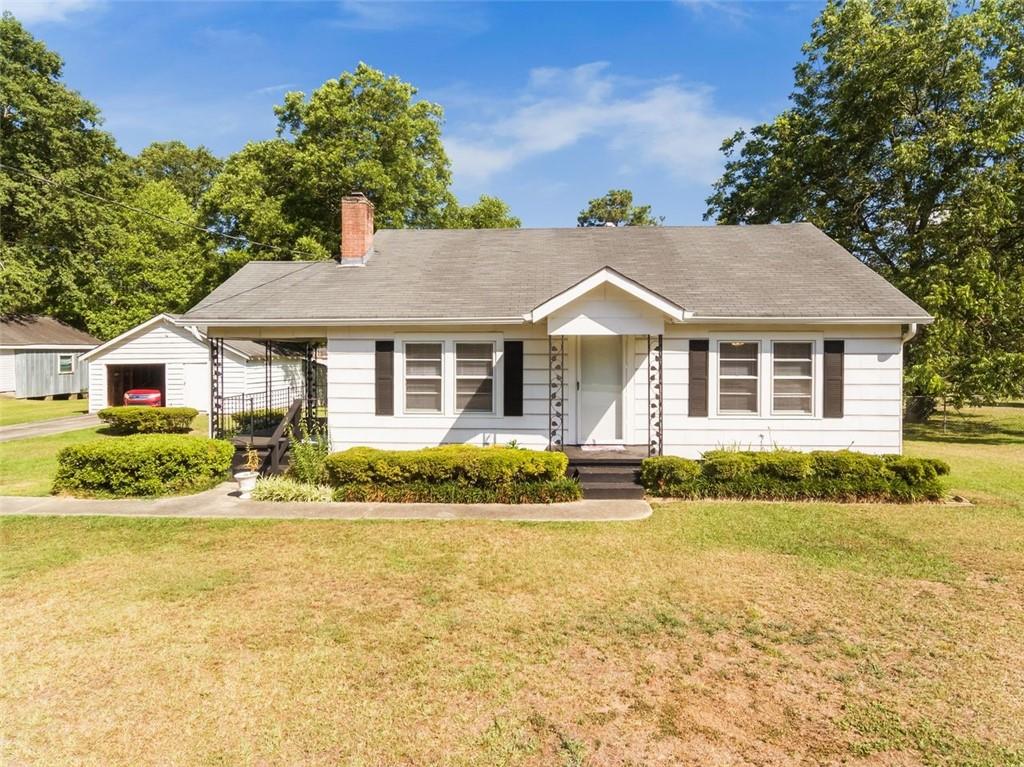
[(965, 428)]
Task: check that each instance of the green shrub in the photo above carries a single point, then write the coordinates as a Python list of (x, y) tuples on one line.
[(669, 475), (286, 489), (790, 475), (307, 455), (135, 419), (255, 420), (558, 490), (457, 464), (142, 465)]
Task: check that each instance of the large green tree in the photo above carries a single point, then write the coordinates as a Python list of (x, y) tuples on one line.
[(191, 171), (905, 143), (47, 130), (364, 131), (616, 208)]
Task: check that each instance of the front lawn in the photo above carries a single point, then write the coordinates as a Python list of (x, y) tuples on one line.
[(710, 633), (27, 466), (13, 411)]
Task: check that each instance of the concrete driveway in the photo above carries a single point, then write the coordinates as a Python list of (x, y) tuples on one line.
[(45, 428), (222, 503)]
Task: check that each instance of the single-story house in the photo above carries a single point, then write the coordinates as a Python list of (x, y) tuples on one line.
[(42, 357), (163, 354), (677, 339)]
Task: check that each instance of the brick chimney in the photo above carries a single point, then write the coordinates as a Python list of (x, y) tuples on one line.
[(356, 228)]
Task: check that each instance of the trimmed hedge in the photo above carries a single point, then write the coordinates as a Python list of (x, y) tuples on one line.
[(256, 420), (451, 474), (547, 491), (138, 419), (841, 475), (142, 465)]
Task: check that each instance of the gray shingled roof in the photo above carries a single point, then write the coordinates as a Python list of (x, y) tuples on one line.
[(37, 330), (782, 270)]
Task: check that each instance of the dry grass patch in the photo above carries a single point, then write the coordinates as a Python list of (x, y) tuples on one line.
[(710, 633)]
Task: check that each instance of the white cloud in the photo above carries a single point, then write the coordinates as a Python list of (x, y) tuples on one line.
[(661, 123), (268, 89), (731, 9), (34, 11)]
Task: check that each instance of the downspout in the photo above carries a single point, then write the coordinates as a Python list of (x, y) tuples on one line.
[(909, 333)]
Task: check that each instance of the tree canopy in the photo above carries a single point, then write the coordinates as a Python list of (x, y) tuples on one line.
[(616, 208), (905, 143)]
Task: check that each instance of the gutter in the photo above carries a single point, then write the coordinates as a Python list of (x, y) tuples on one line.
[(909, 333)]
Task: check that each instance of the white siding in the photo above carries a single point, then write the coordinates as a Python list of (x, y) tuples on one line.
[(284, 374), (872, 420), (350, 396), (6, 370)]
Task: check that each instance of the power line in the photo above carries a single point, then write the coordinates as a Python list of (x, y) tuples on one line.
[(151, 214)]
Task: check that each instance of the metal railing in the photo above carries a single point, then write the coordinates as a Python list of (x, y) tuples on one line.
[(254, 415)]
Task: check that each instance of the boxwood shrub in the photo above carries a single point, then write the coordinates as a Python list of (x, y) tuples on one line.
[(142, 465), (137, 419), (789, 475), (451, 474)]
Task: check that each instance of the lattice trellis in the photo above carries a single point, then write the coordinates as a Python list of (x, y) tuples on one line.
[(556, 392), (655, 396), (217, 387)]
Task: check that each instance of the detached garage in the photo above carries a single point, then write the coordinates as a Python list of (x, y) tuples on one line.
[(175, 360)]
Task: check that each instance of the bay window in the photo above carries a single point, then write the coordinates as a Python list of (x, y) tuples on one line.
[(792, 377), (737, 377)]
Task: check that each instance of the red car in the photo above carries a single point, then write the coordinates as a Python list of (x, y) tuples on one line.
[(150, 397)]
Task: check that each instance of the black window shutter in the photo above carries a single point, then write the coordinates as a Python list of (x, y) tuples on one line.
[(698, 378), (384, 378), (513, 377), (834, 379)]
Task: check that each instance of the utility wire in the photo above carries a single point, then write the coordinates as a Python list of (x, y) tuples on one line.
[(206, 230)]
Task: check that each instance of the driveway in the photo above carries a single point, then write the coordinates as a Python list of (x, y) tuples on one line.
[(46, 428), (222, 503)]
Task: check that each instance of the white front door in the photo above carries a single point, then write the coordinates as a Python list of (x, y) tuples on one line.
[(600, 394)]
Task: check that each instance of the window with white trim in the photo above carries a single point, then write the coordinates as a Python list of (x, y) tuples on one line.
[(474, 377), (424, 380), (66, 364), (737, 377), (792, 377)]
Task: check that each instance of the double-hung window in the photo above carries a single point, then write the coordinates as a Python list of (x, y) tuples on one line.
[(424, 380), (792, 377), (65, 364), (737, 377), (474, 377)]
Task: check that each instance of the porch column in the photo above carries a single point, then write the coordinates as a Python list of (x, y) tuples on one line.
[(216, 387), (655, 396), (268, 373), (556, 392), (310, 376)]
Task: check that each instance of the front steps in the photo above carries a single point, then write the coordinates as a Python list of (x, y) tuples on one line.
[(607, 475)]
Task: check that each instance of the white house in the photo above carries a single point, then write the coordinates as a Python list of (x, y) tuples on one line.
[(163, 354), (674, 339), (42, 357)]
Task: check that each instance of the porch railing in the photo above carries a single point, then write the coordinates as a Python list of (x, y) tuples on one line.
[(253, 415)]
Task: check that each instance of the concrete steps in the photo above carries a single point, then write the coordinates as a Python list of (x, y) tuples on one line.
[(608, 478)]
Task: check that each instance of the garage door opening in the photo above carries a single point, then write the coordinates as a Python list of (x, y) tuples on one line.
[(121, 378)]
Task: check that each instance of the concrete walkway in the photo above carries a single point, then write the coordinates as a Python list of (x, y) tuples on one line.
[(46, 428), (221, 503)]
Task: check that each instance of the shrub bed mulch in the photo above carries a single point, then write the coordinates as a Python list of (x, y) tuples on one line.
[(841, 475)]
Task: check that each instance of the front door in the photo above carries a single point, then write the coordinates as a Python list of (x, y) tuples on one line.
[(600, 392)]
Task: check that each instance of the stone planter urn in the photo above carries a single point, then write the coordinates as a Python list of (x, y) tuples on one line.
[(246, 483)]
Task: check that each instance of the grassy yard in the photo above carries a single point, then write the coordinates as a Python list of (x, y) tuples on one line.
[(27, 466), (712, 633), (14, 411)]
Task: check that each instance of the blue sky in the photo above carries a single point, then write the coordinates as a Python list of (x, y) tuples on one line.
[(547, 104)]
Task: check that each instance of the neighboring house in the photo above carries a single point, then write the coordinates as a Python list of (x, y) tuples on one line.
[(42, 357), (679, 339), (162, 354)]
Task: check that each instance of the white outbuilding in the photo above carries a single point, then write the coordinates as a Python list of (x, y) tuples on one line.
[(174, 358)]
